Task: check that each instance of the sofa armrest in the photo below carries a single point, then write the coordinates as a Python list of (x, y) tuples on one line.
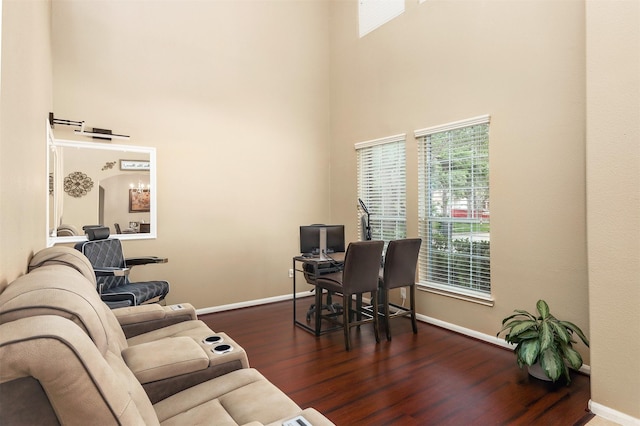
[(165, 358), (219, 365), (140, 319)]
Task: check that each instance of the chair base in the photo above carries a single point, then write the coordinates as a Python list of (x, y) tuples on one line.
[(353, 318), (333, 308)]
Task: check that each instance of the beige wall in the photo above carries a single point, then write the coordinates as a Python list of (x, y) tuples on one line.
[(26, 101), (233, 96), (613, 202), (522, 63)]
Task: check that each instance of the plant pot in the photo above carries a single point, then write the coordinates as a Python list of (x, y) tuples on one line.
[(536, 371)]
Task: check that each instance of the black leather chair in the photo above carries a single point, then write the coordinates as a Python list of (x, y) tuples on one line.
[(360, 275), (399, 270), (311, 272), (112, 270)]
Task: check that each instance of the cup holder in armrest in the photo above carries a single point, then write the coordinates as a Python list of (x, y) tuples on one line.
[(212, 340), (222, 349)]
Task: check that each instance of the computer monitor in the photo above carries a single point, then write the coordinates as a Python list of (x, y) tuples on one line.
[(310, 238)]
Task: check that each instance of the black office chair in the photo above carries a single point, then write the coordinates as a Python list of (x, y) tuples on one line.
[(360, 275), (311, 273), (399, 270), (112, 270)]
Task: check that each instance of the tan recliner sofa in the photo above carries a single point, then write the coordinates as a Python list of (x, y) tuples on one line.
[(64, 358)]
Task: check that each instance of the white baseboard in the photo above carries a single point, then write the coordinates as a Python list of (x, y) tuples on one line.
[(466, 331), (250, 303), (612, 415), (585, 369), (446, 325)]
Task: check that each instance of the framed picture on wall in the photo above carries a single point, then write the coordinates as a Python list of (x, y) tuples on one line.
[(139, 200), (135, 165)]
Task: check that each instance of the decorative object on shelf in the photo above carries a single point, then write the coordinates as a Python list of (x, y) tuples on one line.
[(77, 184), (545, 340), (135, 165), (108, 165), (139, 200)]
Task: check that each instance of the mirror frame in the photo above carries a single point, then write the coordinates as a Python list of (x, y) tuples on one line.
[(53, 152)]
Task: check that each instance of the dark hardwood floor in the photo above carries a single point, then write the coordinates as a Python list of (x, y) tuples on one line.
[(436, 377)]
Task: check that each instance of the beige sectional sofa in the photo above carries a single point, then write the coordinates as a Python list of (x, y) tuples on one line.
[(65, 358)]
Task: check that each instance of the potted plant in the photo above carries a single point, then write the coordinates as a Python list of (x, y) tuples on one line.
[(545, 340)]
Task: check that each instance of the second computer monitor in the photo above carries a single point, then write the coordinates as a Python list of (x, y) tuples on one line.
[(310, 239)]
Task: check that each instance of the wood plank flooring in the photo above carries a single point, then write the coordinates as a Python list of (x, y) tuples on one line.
[(436, 377)]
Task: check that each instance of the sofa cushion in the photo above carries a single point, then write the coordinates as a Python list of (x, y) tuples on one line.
[(244, 394), (165, 358)]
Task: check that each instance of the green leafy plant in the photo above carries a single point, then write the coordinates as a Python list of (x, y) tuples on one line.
[(544, 338)]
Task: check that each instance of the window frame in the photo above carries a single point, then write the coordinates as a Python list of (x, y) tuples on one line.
[(427, 216)]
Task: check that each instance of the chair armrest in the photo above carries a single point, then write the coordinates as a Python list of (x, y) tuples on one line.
[(165, 358), (111, 272), (116, 300), (136, 320), (145, 260)]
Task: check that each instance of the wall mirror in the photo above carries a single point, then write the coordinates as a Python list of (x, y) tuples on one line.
[(92, 183)]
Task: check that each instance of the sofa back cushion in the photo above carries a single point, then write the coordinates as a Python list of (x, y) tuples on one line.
[(82, 384), (61, 255), (56, 289)]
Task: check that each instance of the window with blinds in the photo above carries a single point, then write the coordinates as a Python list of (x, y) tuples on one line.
[(453, 201), (382, 186)]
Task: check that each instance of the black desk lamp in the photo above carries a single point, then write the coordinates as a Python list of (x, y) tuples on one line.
[(367, 224)]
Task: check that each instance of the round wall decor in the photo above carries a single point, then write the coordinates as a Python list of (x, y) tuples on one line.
[(77, 184)]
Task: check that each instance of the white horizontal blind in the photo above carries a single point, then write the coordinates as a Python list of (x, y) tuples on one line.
[(453, 203), (374, 13), (382, 186)]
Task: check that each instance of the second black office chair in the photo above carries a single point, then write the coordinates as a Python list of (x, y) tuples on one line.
[(400, 264), (360, 275)]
